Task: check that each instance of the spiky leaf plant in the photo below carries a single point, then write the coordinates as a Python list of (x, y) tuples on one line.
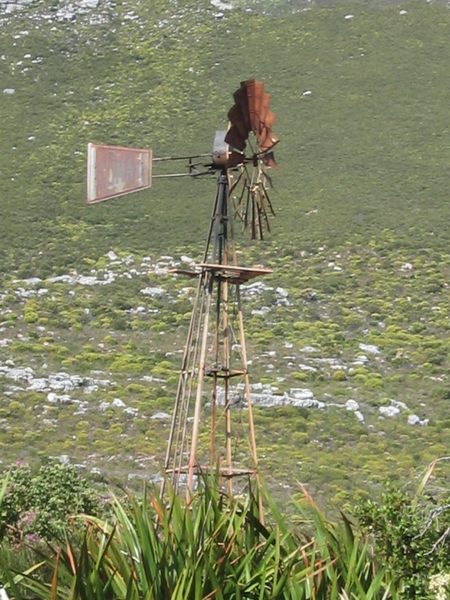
[(209, 548)]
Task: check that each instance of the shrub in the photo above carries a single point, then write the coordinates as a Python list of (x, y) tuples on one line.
[(409, 537), (40, 504)]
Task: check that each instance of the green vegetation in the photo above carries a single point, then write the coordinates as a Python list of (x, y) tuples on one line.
[(360, 241), (37, 506), (217, 548)]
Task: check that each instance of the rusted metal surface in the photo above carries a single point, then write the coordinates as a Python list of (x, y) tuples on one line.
[(251, 113), (114, 171)]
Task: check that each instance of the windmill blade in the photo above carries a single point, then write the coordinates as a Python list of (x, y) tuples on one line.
[(250, 113), (250, 198), (255, 93)]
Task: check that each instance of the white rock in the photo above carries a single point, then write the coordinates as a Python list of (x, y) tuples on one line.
[(389, 411), (352, 405), (221, 5), (88, 280), (282, 292), (307, 93), (253, 289), (62, 279), (17, 373), (9, 91), (151, 379), (416, 420), (64, 381), (307, 403), (59, 399), (413, 420), (154, 292), (348, 17), (88, 4), (38, 385), (308, 349), (307, 368), (160, 416), (301, 393), (186, 259), (407, 266), (118, 403), (361, 360), (398, 404), (261, 312), (369, 348), (403, 12), (112, 255)]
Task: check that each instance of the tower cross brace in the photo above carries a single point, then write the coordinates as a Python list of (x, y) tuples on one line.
[(215, 350)]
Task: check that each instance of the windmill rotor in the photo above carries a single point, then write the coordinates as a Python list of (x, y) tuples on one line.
[(245, 152), (251, 123)]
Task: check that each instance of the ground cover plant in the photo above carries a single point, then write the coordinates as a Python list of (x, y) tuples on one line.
[(355, 315)]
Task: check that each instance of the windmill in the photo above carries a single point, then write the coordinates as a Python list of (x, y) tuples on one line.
[(215, 352)]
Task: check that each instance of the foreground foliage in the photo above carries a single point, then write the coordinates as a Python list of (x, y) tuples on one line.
[(216, 548), (411, 536), (36, 506), (212, 548)]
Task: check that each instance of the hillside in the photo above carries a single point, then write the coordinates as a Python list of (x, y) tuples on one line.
[(352, 326)]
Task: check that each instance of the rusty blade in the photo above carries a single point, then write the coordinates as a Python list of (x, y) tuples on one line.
[(234, 138), (263, 110), (255, 92), (237, 119), (266, 140), (251, 112), (235, 159), (241, 100), (269, 160)]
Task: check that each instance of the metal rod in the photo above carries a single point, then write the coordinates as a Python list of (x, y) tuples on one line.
[(198, 397), (164, 158), (248, 397), (169, 175)]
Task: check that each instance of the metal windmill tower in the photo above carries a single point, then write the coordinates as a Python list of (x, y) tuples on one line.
[(215, 353)]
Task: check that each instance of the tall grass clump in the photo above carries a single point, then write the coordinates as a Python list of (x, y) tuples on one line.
[(212, 547)]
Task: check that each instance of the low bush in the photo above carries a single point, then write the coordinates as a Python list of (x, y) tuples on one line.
[(37, 506)]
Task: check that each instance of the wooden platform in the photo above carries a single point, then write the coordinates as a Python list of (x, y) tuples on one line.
[(231, 273), (223, 472), (225, 373)]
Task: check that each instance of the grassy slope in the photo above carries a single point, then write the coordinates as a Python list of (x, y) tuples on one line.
[(367, 152)]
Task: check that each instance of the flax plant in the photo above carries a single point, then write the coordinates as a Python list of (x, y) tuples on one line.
[(209, 548)]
